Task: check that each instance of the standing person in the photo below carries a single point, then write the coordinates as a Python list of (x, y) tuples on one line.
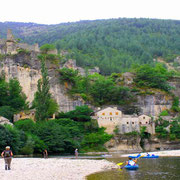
[(7, 155), (45, 153), (76, 153)]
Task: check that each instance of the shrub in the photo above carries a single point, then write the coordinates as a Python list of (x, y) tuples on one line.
[(7, 112), (47, 47), (154, 77), (27, 125), (164, 113)]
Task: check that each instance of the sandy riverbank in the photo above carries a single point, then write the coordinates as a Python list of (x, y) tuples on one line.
[(160, 153), (52, 168)]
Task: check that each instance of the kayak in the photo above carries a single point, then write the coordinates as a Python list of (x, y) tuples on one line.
[(106, 155), (129, 167), (151, 156), (135, 156)]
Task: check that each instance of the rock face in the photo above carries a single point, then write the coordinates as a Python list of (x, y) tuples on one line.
[(124, 143), (175, 82), (26, 69), (153, 104), (3, 121), (154, 144)]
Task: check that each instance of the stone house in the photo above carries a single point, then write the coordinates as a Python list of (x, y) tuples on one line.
[(110, 118)]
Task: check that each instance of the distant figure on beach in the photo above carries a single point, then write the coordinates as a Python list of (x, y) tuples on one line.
[(76, 153), (7, 155), (45, 153)]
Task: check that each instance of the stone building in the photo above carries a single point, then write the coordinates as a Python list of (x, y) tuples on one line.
[(110, 118)]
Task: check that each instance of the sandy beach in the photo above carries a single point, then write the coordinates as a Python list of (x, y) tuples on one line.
[(52, 168), (160, 153)]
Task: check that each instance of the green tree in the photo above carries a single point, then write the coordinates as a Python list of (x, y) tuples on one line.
[(47, 47), (42, 96)]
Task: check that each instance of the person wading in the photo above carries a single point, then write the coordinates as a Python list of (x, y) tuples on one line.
[(7, 155)]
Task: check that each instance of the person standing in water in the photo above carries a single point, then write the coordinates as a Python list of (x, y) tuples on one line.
[(7, 155), (76, 153)]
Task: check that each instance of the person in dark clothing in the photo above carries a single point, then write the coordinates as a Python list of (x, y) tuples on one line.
[(45, 153), (7, 155)]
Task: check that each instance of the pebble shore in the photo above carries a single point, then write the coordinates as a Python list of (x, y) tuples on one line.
[(52, 168)]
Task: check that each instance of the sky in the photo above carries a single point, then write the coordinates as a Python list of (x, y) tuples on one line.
[(58, 11)]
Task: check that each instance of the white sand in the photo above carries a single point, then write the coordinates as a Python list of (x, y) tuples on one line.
[(160, 153), (52, 168)]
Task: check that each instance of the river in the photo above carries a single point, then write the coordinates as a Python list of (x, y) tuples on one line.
[(165, 168)]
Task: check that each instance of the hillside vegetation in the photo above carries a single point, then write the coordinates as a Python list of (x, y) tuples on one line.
[(114, 45)]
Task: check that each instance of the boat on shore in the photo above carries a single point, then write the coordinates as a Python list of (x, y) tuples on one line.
[(151, 156), (106, 155)]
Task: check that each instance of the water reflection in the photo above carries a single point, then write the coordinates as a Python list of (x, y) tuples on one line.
[(167, 168)]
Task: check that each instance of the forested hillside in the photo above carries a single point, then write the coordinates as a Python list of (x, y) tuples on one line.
[(114, 45)]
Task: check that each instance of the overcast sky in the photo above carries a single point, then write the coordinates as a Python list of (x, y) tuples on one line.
[(57, 11)]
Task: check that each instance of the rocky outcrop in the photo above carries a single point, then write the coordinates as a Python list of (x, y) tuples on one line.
[(154, 144), (26, 68), (3, 121), (71, 63), (124, 143), (153, 105), (175, 83), (132, 144)]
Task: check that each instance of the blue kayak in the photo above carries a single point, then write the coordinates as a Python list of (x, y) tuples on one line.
[(151, 156), (135, 156), (129, 167)]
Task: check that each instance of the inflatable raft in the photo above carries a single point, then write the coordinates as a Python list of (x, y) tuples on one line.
[(129, 167), (151, 156)]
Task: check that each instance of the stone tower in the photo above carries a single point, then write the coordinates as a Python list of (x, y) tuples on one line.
[(10, 36)]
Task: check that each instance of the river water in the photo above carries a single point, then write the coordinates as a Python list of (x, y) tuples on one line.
[(165, 168)]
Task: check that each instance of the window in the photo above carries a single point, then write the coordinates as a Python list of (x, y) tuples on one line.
[(110, 113), (140, 123), (127, 122), (144, 117), (103, 114), (132, 122), (146, 122), (111, 118), (117, 113)]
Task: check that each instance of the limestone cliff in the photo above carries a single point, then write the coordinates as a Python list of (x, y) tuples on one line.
[(26, 68)]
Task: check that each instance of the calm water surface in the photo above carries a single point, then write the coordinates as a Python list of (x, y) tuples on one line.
[(166, 168)]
